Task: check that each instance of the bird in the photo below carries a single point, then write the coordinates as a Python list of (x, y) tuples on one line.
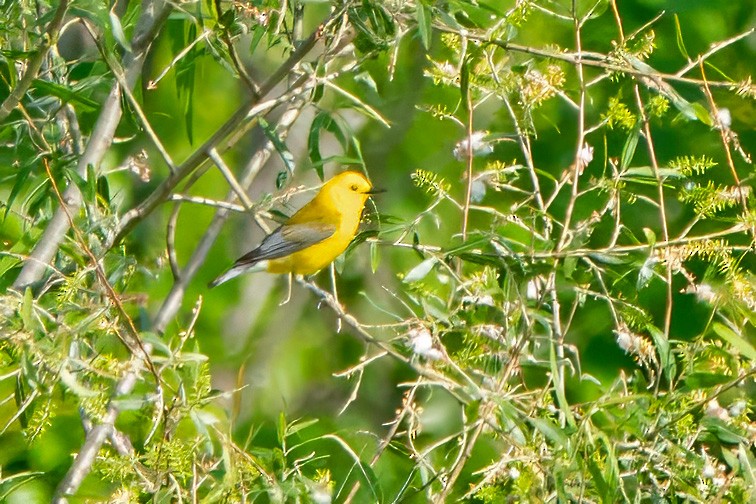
[(314, 236)]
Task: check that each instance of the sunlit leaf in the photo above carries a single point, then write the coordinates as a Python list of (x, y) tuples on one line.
[(278, 144), (735, 340), (420, 271), (423, 17)]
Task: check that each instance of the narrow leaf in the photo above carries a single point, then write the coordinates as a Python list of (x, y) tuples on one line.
[(628, 151), (550, 431), (735, 340), (375, 257), (26, 309), (679, 37), (21, 177), (286, 156), (117, 30), (66, 94), (668, 364), (423, 17), (420, 271)]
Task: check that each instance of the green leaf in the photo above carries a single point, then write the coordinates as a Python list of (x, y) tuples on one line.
[(257, 34), (367, 79), (186, 79), (18, 184), (564, 405), (628, 150), (702, 114), (67, 94), (27, 308), (117, 30), (370, 478), (650, 236), (570, 264), (735, 340), (281, 428), (598, 477), (103, 189), (12, 482), (286, 156), (667, 359), (423, 17), (598, 9), (91, 185), (322, 121), (79, 389), (679, 38), (298, 425), (464, 82), (420, 271), (691, 111), (550, 431), (375, 257), (705, 380), (723, 431), (616, 258)]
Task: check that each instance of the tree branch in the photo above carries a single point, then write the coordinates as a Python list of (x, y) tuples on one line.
[(173, 300), (246, 112), (154, 13)]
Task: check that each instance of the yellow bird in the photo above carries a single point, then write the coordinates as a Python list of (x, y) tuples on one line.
[(314, 236)]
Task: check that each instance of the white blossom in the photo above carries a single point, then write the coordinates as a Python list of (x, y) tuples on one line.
[(725, 118), (421, 342), (479, 146), (737, 408), (713, 409), (709, 471), (586, 155)]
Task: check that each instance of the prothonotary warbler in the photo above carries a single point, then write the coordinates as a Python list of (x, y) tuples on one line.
[(315, 235)]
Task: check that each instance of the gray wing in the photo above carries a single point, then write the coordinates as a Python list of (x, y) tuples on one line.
[(286, 240)]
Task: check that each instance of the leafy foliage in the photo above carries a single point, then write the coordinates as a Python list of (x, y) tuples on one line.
[(563, 300)]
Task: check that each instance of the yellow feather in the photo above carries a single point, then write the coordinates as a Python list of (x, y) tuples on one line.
[(314, 236)]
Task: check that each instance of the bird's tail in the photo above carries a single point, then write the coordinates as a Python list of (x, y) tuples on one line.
[(237, 270)]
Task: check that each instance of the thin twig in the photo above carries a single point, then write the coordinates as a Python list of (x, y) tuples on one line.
[(662, 211), (118, 73), (715, 48)]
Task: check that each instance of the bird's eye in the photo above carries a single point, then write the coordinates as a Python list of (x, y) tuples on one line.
[(354, 187)]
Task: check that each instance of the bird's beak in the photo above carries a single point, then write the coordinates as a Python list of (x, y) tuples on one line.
[(375, 191)]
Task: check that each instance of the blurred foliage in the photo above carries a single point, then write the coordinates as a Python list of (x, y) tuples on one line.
[(553, 301)]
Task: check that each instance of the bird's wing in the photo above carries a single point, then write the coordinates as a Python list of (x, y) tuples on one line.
[(288, 239)]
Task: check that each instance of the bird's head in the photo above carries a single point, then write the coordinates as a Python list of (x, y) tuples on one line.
[(349, 188)]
